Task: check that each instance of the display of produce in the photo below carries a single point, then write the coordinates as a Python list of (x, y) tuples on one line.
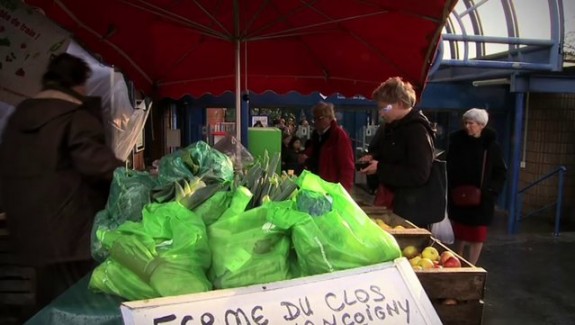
[(200, 225)]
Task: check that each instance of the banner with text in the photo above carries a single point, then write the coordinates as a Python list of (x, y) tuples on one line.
[(27, 41), (387, 293)]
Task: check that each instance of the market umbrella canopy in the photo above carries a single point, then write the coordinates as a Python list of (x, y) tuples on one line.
[(172, 48)]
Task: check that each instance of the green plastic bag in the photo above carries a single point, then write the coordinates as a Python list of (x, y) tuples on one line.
[(196, 160), (341, 239), (112, 278), (247, 250), (168, 252), (214, 207), (129, 193)]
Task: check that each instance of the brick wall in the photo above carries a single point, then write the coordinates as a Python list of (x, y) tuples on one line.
[(550, 143)]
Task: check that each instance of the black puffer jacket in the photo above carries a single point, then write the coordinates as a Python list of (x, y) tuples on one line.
[(406, 152), (464, 167)]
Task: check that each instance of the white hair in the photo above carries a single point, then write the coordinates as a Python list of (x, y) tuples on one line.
[(477, 115)]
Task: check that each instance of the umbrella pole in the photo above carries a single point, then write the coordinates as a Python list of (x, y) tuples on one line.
[(238, 94)]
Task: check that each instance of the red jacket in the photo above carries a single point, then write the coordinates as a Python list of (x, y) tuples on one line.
[(335, 160)]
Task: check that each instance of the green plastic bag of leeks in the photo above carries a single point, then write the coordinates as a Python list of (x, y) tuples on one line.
[(166, 254), (247, 249), (340, 239)]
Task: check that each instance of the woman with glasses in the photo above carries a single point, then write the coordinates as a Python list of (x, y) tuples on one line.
[(406, 147), (474, 158), (329, 153)]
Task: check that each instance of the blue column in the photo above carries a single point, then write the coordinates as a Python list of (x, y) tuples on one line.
[(516, 160)]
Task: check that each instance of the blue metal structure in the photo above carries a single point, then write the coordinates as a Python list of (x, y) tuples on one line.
[(558, 203), (525, 65)]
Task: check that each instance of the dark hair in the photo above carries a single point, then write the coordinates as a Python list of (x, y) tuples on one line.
[(66, 71), (293, 140)]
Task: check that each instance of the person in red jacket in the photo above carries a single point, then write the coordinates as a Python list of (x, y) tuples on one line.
[(329, 153)]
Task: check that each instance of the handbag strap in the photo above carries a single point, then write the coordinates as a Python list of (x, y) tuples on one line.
[(483, 168)]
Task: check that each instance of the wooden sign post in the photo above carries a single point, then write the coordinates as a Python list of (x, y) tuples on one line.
[(387, 293)]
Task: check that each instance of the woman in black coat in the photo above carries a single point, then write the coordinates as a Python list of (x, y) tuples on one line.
[(404, 149), (474, 158)]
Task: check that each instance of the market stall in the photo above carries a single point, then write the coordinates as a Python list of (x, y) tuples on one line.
[(201, 235)]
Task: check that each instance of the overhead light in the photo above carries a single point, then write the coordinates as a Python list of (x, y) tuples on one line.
[(491, 82)]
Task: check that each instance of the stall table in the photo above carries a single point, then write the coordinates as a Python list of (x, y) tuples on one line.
[(79, 305)]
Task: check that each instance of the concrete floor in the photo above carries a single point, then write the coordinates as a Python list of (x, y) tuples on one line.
[(531, 275)]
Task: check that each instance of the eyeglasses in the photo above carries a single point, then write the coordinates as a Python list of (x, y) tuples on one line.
[(318, 118), (385, 108)]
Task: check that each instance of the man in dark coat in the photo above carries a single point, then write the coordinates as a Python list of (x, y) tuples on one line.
[(56, 171)]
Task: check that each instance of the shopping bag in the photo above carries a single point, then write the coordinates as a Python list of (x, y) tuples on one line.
[(426, 204), (443, 231)]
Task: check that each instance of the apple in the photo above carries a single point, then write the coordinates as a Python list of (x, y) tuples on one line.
[(410, 251), (426, 263), (445, 256), (452, 262), (430, 253), (415, 260)]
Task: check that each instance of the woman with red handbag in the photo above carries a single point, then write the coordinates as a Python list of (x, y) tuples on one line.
[(476, 173)]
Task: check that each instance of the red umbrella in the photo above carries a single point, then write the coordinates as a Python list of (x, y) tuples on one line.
[(173, 48)]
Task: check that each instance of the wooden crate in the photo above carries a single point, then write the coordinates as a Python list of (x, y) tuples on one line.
[(393, 220), (16, 282), (465, 285)]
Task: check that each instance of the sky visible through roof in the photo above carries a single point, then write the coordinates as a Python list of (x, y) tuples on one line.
[(533, 21)]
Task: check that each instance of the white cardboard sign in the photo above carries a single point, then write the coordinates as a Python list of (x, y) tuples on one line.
[(387, 293), (27, 40)]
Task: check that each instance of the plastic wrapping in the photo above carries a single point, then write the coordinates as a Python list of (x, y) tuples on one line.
[(123, 124), (234, 149)]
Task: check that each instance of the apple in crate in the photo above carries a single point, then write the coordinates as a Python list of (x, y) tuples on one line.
[(445, 256), (426, 263), (452, 262), (430, 253), (410, 251)]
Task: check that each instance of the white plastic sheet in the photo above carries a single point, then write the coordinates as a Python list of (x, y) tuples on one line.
[(122, 122)]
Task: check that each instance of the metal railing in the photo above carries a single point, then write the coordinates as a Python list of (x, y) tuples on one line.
[(558, 203)]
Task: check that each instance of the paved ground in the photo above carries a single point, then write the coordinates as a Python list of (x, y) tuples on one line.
[(531, 275)]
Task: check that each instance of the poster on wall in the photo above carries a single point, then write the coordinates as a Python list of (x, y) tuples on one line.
[(28, 40), (260, 120)]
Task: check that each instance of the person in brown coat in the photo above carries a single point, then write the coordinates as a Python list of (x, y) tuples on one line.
[(55, 171)]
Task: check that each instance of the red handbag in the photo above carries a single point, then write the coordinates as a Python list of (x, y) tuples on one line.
[(468, 195), (383, 197)]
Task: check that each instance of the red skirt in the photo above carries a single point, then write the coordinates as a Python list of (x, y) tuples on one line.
[(474, 234)]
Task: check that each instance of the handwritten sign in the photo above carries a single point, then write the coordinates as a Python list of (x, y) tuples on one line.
[(27, 40), (387, 293)]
